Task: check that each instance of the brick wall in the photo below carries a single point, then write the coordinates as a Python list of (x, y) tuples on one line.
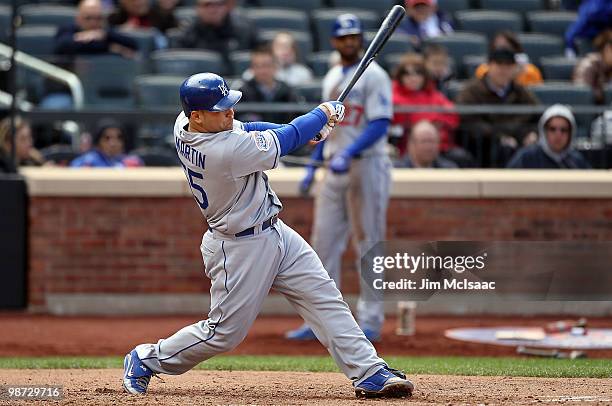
[(151, 245)]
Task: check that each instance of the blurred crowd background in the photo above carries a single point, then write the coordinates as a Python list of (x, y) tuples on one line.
[(130, 57)]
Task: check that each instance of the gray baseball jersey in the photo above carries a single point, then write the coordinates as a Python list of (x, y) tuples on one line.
[(225, 172), (357, 201), (369, 100)]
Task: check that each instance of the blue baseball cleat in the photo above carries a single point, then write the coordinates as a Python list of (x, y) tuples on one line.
[(303, 333), (372, 335), (385, 383), (136, 375)]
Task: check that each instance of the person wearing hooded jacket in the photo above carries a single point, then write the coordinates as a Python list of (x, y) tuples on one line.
[(553, 150)]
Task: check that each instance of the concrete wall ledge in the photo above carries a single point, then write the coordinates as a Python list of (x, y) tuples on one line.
[(407, 183)]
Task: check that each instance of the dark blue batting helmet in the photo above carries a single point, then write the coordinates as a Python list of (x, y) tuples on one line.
[(207, 91), (346, 24)]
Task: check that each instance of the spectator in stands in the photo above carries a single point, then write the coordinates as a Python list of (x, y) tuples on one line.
[(423, 21), (594, 16), (494, 137), (88, 35), (264, 87), (595, 69), (217, 28), (134, 14), (437, 63), (527, 73), (412, 86), (424, 148), (554, 148), (289, 69), (25, 153), (109, 149)]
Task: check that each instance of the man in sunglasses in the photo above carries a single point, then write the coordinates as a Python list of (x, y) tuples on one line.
[(554, 148)]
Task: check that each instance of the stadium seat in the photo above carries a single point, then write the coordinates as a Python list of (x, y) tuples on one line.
[(156, 156), (551, 92), (608, 94), (10, 2), (488, 22), (185, 15), (513, 5), (304, 5), (455, 87), (379, 6), (550, 22), (398, 43), (279, 19), (323, 20), (540, 45), (557, 67), (319, 62), (459, 44), (60, 155), (47, 14), (107, 80), (584, 46), (471, 63), (186, 62), (5, 22), (240, 61), (302, 39), (145, 37), (173, 35), (157, 91), (452, 6), (311, 92), (37, 40)]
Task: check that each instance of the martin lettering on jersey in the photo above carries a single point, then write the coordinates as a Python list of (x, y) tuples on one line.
[(191, 154)]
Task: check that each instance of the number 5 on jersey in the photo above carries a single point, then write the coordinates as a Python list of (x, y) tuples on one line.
[(192, 175)]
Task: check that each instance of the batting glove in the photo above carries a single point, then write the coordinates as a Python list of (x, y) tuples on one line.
[(341, 162), (308, 180), (334, 110)]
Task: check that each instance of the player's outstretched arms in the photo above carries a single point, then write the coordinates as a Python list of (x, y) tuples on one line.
[(304, 128)]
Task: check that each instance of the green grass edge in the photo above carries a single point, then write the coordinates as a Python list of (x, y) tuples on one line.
[(474, 366)]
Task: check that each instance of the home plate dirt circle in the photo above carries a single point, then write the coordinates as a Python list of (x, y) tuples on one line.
[(103, 387)]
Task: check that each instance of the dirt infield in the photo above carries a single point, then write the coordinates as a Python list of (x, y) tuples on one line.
[(39, 335), (102, 387)]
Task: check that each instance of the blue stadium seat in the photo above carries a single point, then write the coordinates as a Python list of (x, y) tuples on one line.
[(311, 92), (185, 15), (379, 6), (303, 39), (37, 40), (319, 62), (157, 91), (551, 92), (540, 45), (240, 61), (323, 20), (557, 67), (513, 5), (186, 62), (455, 87), (391, 60), (452, 6), (107, 80), (550, 22), (460, 44), (398, 43), (488, 22), (304, 5), (608, 94), (47, 14), (145, 37), (279, 19), (173, 35), (471, 63), (5, 22)]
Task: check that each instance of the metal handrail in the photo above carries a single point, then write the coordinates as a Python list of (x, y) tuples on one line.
[(51, 71), (6, 99)]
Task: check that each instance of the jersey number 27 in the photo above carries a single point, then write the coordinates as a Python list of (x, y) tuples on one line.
[(192, 175)]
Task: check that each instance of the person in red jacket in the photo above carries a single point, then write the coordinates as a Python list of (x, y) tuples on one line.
[(412, 86)]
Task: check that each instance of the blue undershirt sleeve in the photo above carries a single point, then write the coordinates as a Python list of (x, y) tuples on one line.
[(301, 130), (260, 126), (374, 131)]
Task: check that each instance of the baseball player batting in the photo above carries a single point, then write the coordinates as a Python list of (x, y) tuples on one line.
[(355, 191), (248, 250)]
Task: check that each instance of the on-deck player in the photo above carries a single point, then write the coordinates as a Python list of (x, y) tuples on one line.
[(355, 191), (247, 250)]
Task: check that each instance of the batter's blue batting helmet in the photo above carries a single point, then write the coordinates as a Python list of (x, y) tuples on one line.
[(347, 24), (207, 91)]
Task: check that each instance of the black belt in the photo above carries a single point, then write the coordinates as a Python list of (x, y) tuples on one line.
[(264, 226)]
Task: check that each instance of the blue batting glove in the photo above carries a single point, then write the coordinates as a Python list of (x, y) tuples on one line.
[(341, 162), (308, 180)]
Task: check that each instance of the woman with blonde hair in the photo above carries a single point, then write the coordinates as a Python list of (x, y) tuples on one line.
[(25, 153)]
